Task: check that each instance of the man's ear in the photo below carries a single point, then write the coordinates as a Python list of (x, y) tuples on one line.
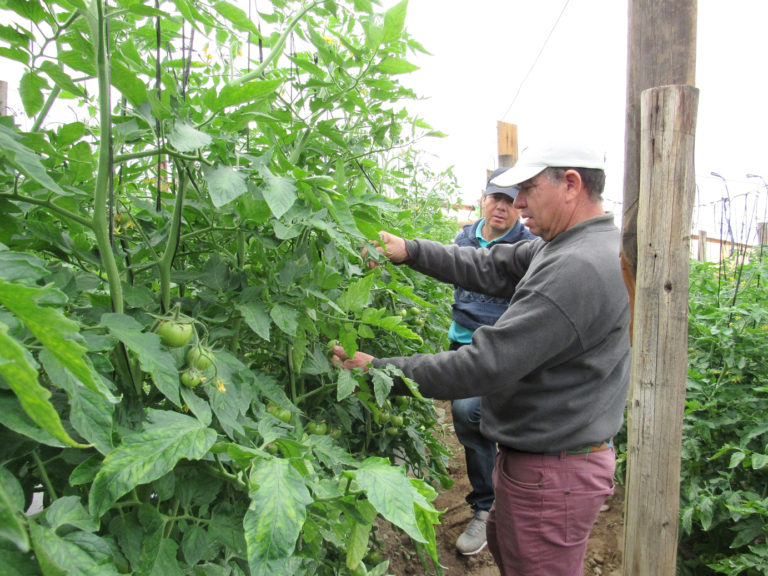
[(573, 182)]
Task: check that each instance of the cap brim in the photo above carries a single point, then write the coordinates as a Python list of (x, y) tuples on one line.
[(510, 191), (515, 175)]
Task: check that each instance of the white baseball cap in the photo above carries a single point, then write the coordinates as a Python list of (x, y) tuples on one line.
[(535, 159)]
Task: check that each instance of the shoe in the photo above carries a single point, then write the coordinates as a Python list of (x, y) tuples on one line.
[(473, 538)]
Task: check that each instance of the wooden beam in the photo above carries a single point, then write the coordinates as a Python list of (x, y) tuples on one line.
[(3, 98), (661, 51), (660, 348), (507, 144), (702, 246)]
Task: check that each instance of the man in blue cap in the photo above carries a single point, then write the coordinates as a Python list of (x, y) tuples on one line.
[(500, 224)]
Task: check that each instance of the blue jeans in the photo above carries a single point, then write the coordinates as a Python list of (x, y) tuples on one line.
[(480, 453)]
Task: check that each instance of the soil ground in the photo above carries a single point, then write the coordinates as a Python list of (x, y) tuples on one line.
[(603, 553)]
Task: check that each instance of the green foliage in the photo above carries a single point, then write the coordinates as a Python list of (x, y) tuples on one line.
[(724, 497), (233, 192)]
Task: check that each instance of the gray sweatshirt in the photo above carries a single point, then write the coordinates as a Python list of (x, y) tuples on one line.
[(554, 369)]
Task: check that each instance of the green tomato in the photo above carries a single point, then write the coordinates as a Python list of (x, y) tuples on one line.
[(321, 428), (403, 401), (191, 377), (174, 334), (391, 431), (397, 420), (280, 413), (311, 427), (384, 417), (414, 311), (403, 313), (200, 357)]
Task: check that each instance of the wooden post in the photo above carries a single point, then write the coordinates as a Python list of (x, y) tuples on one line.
[(661, 50), (660, 349), (702, 246), (3, 98), (762, 233), (507, 144)]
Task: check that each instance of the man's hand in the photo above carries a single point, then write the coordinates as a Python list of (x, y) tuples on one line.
[(359, 360), (393, 247)]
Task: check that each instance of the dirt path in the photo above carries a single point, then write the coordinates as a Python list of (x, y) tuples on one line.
[(603, 555)]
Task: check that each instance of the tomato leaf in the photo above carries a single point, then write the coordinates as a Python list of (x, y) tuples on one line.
[(357, 295), (357, 544), (31, 88), (345, 385), (13, 417), (21, 377), (257, 318), (128, 83), (147, 455), (186, 138), (394, 20), (392, 494), (286, 318), (68, 511), (394, 65), (25, 161), (224, 184), (12, 526), (279, 501), (16, 266), (153, 358), (279, 192), (90, 412), (237, 16), (234, 95), (73, 553)]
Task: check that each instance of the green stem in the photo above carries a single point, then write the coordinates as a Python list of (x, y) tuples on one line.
[(46, 108), (166, 260), (324, 388), (103, 176), (163, 150), (291, 372), (277, 48), (87, 223), (44, 476), (238, 322)]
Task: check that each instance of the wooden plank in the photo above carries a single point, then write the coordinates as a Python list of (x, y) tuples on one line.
[(660, 348), (661, 51), (507, 144), (3, 98)]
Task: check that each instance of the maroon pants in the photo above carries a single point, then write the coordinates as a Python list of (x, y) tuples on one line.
[(544, 509)]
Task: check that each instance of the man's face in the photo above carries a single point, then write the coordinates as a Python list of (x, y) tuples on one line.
[(543, 206), (499, 212)]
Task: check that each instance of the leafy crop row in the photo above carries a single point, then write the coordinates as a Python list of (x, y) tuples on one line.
[(724, 495), (182, 210)]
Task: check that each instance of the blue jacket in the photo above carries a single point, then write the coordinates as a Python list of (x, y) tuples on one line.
[(473, 309)]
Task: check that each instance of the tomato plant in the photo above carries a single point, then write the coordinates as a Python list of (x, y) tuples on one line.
[(192, 160)]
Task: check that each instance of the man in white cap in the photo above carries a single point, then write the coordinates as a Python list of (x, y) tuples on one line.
[(553, 370)]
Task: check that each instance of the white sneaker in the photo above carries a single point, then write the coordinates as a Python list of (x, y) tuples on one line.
[(473, 539)]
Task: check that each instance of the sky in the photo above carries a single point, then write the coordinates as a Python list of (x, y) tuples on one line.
[(560, 66)]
